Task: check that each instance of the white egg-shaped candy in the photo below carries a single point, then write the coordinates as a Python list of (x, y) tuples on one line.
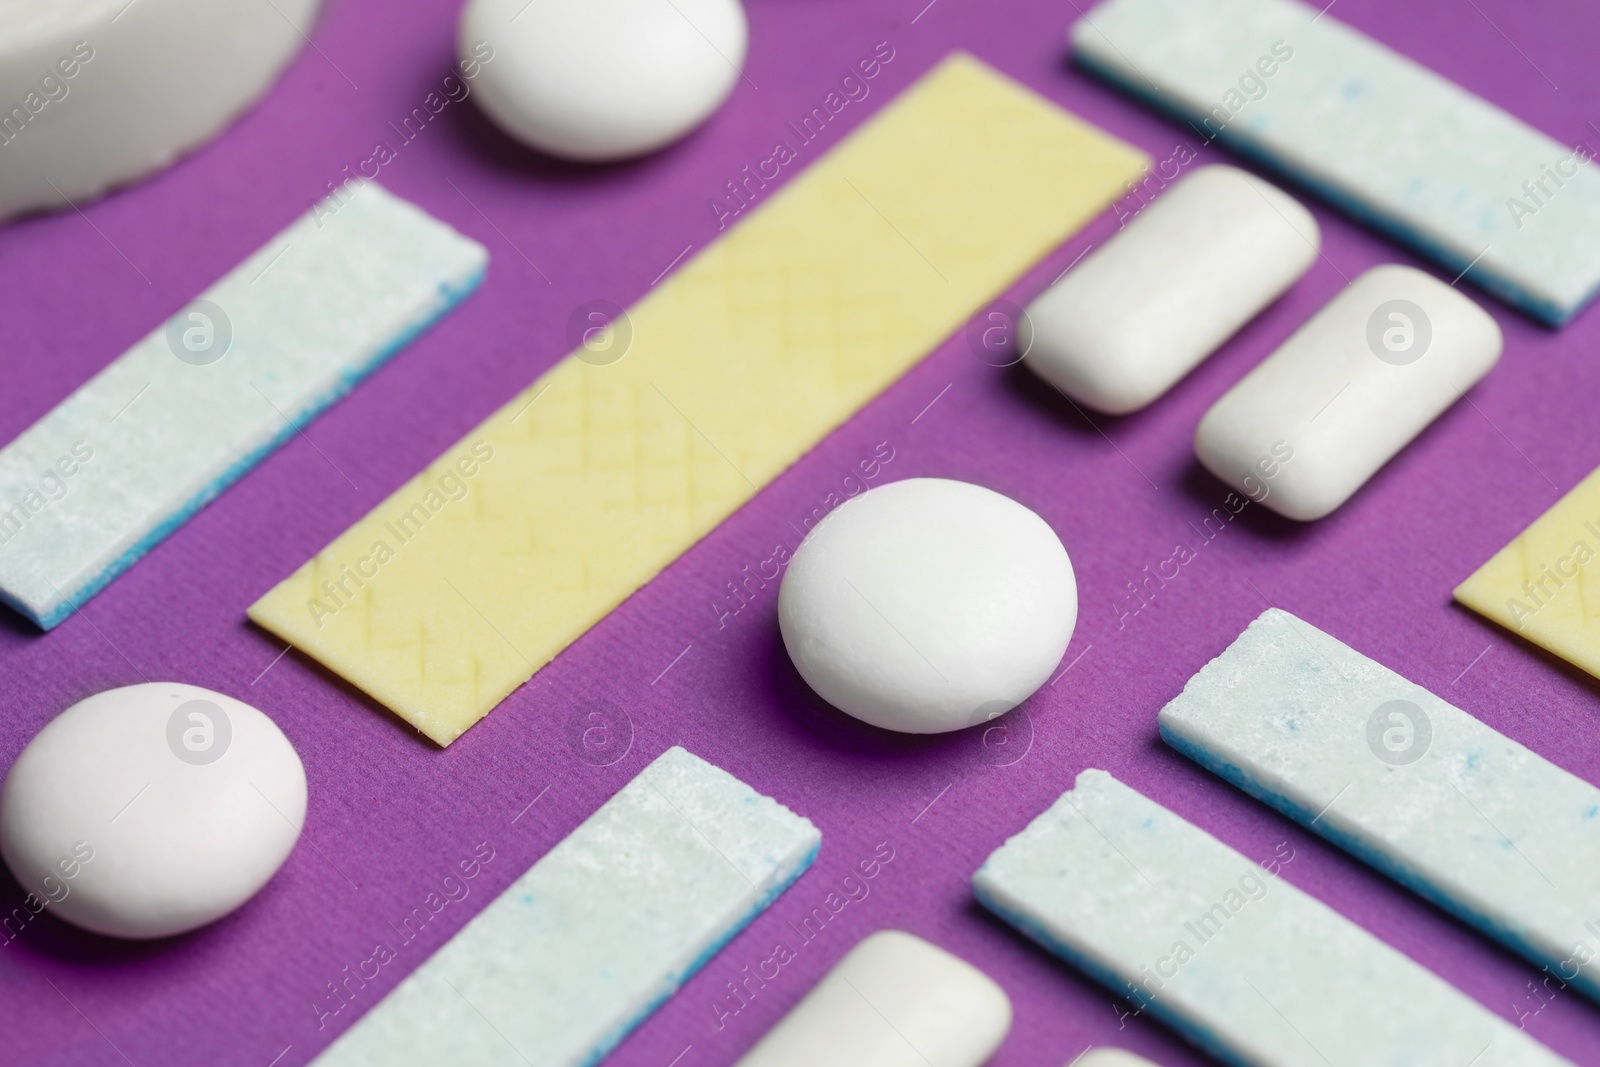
[(151, 810), (928, 605), (600, 80)]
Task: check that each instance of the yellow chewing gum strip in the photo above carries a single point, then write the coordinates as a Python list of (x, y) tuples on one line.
[(1545, 585), (481, 569)]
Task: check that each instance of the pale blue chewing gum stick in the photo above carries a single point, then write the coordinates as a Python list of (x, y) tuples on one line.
[(1431, 796), (1382, 137), (1224, 949), (593, 937), (183, 414)]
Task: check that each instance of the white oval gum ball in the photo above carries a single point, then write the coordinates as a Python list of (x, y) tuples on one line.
[(1149, 305), (151, 810), (928, 605), (893, 1001), (601, 80), (96, 93)]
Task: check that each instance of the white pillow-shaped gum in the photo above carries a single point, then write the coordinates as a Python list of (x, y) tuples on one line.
[(96, 93), (928, 605), (151, 810), (602, 80), (1144, 309), (1351, 388), (893, 1001)]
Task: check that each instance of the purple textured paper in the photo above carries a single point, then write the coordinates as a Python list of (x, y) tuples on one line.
[(391, 815)]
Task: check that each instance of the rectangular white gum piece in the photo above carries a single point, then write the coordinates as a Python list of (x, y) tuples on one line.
[(1236, 959), (1146, 307), (576, 952), (894, 1000), (1424, 792), (1376, 134), (154, 437), (1542, 583), (1304, 430), (740, 362)]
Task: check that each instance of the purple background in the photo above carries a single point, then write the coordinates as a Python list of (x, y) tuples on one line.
[(391, 815)]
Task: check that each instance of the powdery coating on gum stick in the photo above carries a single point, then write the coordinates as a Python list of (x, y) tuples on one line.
[(1439, 801), (172, 422), (595, 935), (1236, 959), (1390, 142)]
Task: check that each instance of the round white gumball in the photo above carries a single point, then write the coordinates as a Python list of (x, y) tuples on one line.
[(600, 80), (928, 605), (151, 810)]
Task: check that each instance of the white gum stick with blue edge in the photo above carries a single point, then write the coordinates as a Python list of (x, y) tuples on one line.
[(172, 422), (1223, 949), (1146, 307), (593, 937), (1424, 792), (1307, 428), (1382, 137), (894, 1000)]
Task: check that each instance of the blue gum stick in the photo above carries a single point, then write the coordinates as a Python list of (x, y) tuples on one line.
[(1224, 950), (593, 937), (172, 422), (1376, 134), (1419, 789)]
